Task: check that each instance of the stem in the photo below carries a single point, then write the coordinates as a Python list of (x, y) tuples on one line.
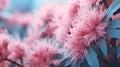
[(14, 62), (21, 60)]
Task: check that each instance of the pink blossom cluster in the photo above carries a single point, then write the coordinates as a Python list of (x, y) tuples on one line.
[(75, 25), (14, 51)]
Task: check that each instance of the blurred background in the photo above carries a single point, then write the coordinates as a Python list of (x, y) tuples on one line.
[(17, 15)]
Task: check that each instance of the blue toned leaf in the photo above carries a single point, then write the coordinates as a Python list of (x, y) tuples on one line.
[(103, 46), (115, 33), (114, 24), (58, 56), (92, 58), (68, 61), (78, 63), (85, 65), (118, 51), (113, 7)]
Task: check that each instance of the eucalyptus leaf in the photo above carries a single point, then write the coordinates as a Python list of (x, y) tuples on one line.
[(114, 33), (66, 62), (103, 46), (114, 24), (58, 56), (92, 58), (111, 10)]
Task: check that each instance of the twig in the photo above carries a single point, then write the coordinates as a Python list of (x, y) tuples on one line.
[(13, 62)]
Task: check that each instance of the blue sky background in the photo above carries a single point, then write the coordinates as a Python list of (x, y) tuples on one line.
[(23, 6)]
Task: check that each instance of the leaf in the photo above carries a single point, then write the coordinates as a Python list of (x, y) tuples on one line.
[(114, 24), (103, 46), (78, 63), (85, 65), (66, 62), (58, 56), (118, 51), (114, 33), (112, 8), (92, 58)]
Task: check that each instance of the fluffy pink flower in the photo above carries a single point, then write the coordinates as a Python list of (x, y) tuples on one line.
[(4, 4), (17, 50), (91, 27), (32, 36), (88, 28), (61, 37), (78, 48), (42, 56), (63, 23), (5, 64), (21, 19), (4, 42), (46, 15), (73, 7)]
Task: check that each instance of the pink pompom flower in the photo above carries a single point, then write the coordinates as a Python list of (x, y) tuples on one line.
[(42, 56), (4, 42)]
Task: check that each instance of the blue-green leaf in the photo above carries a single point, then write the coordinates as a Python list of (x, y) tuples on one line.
[(112, 8), (68, 61), (103, 46), (78, 63), (115, 33), (92, 58), (118, 51), (58, 56), (114, 24)]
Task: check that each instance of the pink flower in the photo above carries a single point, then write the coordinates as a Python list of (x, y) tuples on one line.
[(42, 56), (45, 15), (63, 22), (4, 42), (61, 37), (4, 4), (78, 48), (32, 36), (91, 27), (21, 19), (17, 50), (5, 64), (73, 7), (88, 28)]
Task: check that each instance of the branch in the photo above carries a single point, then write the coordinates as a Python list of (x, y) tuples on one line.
[(13, 62)]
